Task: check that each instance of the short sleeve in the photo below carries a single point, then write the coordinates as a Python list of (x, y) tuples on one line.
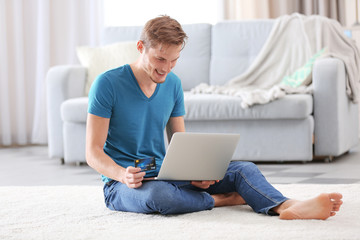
[(101, 97)]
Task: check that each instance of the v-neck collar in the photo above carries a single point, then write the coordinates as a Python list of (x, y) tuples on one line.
[(139, 88)]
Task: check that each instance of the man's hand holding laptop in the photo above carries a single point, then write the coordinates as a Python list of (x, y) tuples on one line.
[(133, 178)]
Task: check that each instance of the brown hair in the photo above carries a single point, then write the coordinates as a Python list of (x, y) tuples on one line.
[(163, 30)]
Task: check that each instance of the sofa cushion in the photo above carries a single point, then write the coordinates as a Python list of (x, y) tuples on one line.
[(233, 54), (222, 107), (214, 107), (120, 34), (104, 58), (303, 75), (193, 66), (74, 110)]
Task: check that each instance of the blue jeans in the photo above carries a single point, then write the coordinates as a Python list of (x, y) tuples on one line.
[(172, 197)]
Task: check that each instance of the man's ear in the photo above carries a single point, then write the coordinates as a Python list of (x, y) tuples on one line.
[(140, 46)]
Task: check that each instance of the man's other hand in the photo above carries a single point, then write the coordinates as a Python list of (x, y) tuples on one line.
[(203, 184), (133, 177)]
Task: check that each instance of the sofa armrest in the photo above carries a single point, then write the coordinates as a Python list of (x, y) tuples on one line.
[(62, 83), (336, 116)]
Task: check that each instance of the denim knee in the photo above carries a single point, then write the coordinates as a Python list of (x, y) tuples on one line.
[(245, 168), (161, 199)]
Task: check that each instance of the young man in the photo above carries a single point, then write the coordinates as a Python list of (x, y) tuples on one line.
[(129, 108)]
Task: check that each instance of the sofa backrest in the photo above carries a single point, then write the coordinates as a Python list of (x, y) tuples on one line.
[(193, 66), (120, 34), (235, 44), (194, 63), (213, 53)]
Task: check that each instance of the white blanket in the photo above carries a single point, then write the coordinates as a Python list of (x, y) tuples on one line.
[(293, 40)]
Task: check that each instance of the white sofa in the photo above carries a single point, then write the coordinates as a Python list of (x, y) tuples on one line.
[(294, 128)]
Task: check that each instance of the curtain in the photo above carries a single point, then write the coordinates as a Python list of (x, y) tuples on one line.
[(35, 35), (252, 9)]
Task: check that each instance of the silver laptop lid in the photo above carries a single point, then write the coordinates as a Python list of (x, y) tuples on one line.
[(198, 156)]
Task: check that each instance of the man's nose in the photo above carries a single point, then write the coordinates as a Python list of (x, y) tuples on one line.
[(168, 66)]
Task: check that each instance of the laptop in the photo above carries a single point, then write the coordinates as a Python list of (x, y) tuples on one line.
[(198, 156)]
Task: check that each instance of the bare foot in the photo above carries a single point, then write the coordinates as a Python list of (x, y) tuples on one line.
[(228, 199), (322, 207)]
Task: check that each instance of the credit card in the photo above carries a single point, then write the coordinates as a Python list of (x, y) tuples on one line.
[(146, 164)]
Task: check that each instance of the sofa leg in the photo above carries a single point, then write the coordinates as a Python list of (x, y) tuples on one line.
[(62, 161), (329, 159)]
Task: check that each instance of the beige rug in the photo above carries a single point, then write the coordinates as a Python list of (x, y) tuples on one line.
[(78, 212)]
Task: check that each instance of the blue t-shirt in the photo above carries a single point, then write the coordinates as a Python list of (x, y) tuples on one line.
[(137, 123)]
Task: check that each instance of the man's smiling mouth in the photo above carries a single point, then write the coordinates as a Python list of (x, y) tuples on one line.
[(160, 73)]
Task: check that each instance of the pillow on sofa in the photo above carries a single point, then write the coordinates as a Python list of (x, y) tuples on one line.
[(101, 59), (303, 75)]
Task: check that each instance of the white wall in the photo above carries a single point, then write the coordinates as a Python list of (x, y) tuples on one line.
[(137, 12)]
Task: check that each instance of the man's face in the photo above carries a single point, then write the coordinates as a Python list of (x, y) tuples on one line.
[(158, 61)]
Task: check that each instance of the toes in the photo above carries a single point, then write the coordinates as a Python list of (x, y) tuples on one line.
[(338, 202), (336, 208), (337, 205), (335, 196)]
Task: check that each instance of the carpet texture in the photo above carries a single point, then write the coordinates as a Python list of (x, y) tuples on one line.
[(78, 212)]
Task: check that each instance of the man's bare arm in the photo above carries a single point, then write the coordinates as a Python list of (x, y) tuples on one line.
[(96, 134), (175, 124)]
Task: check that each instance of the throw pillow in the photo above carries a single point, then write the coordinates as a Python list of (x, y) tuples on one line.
[(101, 59), (302, 76)]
